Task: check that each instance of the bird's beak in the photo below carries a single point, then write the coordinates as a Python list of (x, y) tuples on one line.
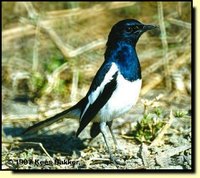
[(149, 27)]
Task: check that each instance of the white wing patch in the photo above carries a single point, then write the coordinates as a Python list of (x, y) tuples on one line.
[(94, 95), (123, 98)]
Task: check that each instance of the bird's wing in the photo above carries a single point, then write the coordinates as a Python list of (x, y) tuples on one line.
[(100, 91)]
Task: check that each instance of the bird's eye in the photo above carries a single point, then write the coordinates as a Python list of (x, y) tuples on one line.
[(128, 29), (136, 27)]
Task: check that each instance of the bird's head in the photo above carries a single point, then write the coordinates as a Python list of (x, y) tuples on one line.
[(127, 30)]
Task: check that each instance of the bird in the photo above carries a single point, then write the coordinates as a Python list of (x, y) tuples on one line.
[(115, 88)]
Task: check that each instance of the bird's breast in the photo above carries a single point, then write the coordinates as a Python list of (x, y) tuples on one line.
[(123, 98)]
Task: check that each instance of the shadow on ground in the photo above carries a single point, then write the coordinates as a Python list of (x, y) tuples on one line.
[(56, 142)]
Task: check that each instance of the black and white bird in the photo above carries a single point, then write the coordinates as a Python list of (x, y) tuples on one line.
[(115, 88)]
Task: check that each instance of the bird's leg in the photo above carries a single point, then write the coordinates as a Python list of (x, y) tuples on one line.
[(103, 131), (113, 136), (113, 159)]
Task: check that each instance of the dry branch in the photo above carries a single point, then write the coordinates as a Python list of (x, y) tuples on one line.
[(163, 131), (180, 23), (36, 51), (36, 144), (157, 78), (30, 9), (74, 88), (144, 154), (65, 49), (152, 68), (53, 16), (88, 12), (54, 78), (18, 32), (153, 80), (164, 156), (164, 44)]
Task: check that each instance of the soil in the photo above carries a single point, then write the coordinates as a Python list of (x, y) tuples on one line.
[(63, 151)]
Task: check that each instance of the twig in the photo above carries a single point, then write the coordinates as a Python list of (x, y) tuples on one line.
[(54, 78), (179, 8), (174, 151), (87, 47), (32, 143), (157, 65), (74, 87), (156, 78), (144, 154), (18, 32), (53, 16), (38, 144), (127, 137), (66, 49), (157, 140), (165, 45), (88, 12), (180, 23), (35, 51), (30, 9), (153, 80), (99, 159), (163, 158)]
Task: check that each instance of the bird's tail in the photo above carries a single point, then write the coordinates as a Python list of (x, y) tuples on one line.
[(69, 113)]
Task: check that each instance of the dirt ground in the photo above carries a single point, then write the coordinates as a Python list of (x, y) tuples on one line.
[(56, 147), (49, 69)]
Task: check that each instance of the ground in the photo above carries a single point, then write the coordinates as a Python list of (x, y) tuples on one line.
[(50, 69), (56, 147)]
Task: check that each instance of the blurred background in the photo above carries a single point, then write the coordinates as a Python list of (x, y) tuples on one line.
[(52, 50)]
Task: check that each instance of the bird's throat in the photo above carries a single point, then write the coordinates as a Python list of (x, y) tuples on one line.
[(125, 57)]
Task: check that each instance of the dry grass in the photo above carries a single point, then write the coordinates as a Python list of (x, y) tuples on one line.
[(55, 53)]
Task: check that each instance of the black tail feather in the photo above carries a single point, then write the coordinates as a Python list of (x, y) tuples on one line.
[(69, 113)]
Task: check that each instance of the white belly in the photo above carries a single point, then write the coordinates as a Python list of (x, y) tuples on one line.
[(123, 98)]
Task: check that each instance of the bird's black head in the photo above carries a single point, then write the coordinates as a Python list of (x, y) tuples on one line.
[(128, 30)]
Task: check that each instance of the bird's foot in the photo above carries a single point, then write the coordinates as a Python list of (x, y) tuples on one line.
[(117, 161)]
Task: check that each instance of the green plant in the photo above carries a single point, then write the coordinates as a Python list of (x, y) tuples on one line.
[(60, 88), (54, 62), (147, 129), (180, 113), (158, 111)]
